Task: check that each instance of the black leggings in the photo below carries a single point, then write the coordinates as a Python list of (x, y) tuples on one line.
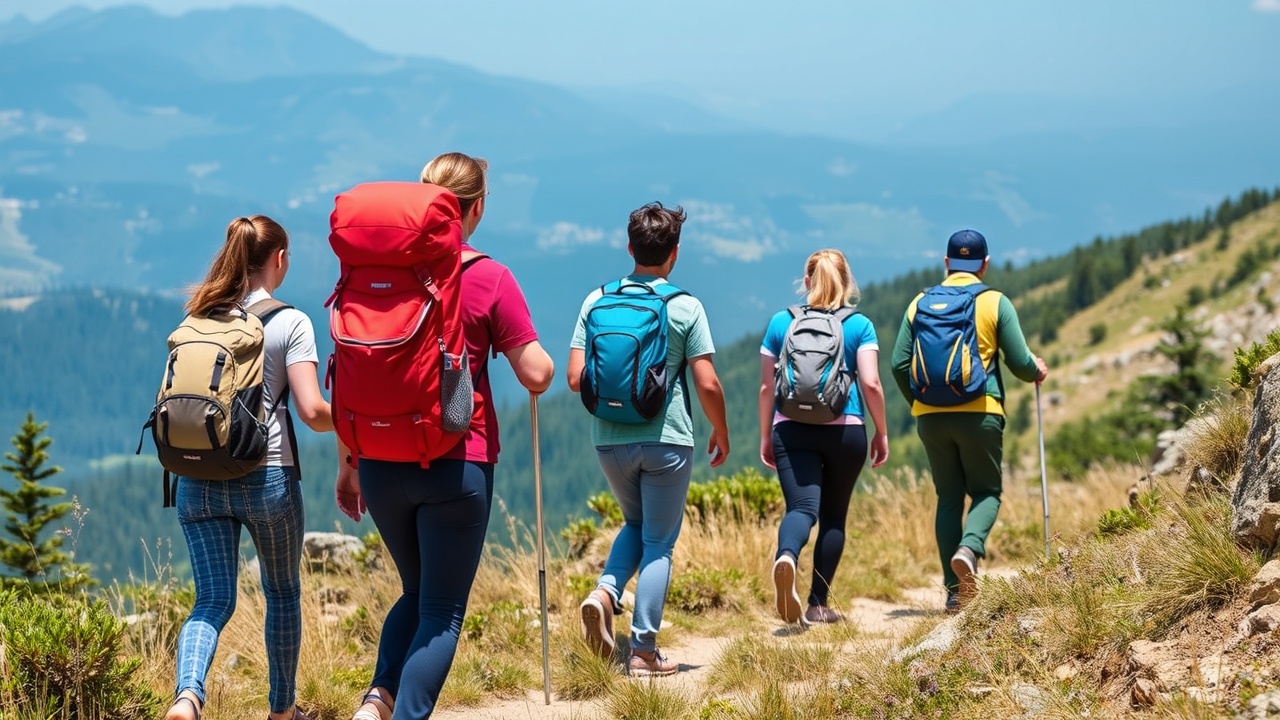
[(433, 522), (817, 466)]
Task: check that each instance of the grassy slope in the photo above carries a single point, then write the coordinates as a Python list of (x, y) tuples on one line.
[(1084, 376)]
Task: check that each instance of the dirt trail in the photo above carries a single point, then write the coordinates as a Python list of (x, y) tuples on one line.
[(697, 655)]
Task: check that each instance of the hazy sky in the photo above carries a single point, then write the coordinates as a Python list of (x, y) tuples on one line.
[(823, 65)]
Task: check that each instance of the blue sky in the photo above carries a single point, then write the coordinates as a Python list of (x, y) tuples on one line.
[(840, 67)]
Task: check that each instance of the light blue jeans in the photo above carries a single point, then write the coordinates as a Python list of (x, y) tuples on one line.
[(268, 502), (650, 481)]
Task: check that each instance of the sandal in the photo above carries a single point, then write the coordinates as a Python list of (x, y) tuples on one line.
[(194, 707), (373, 697)]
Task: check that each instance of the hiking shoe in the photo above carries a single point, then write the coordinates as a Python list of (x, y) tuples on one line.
[(651, 664), (965, 565), (821, 614), (953, 603), (597, 622), (784, 588)]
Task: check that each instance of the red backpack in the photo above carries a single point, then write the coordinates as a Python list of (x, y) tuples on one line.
[(401, 386)]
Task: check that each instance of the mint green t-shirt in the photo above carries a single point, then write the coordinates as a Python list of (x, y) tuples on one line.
[(689, 337)]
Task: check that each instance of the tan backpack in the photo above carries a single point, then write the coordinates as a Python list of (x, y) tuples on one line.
[(208, 421)]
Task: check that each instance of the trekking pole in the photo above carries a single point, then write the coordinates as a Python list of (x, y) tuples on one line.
[(542, 548), (1044, 478)]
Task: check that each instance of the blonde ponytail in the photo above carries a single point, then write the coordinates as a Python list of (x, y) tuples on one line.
[(830, 282)]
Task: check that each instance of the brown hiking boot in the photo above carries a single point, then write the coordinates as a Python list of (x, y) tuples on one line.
[(597, 622), (784, 588), (965, 565), (650, 664)]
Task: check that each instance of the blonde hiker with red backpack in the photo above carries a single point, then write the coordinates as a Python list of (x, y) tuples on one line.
[(279, 352), (416, 421), (819, 378)]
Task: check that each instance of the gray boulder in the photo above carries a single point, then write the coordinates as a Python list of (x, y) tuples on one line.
[(1255, 506), (332, 552)]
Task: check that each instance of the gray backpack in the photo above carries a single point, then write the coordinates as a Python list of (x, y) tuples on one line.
[(811, 380)]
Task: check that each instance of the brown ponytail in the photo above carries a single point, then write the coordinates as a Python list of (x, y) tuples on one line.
[(251, 241)]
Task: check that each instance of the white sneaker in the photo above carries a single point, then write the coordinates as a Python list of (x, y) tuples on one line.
[(784, 588)]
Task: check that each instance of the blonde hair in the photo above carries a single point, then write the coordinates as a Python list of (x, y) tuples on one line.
[(251, 241), (460, 174), (831, 285)]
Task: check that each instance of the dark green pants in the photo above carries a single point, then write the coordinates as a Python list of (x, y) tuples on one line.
[(964, 450)]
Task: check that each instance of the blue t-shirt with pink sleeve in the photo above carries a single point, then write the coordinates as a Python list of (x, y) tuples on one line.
[(859, 336)]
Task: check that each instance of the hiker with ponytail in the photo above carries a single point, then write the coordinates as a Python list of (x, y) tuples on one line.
[(247, 269), (819, 377)]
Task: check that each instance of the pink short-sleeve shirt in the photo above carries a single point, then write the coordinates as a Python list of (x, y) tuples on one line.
[(495, 319)]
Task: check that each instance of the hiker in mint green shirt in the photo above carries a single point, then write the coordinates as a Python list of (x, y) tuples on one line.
[(648, 464), (964, 442)]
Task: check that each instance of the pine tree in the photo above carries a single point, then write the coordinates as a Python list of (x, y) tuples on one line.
[(32, 562), (1182, 391)]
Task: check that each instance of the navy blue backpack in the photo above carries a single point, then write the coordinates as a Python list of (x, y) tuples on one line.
[(625, 376), (946, 367)]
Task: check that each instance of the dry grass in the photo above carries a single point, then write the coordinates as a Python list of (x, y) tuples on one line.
[(1094, 596)]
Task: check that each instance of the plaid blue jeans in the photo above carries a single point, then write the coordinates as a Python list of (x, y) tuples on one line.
[(268, 502)]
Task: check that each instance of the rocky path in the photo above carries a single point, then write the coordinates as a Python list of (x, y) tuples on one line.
[(697, 655)]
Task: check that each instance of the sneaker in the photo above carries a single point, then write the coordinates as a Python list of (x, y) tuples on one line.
[(651, 664), (784, 588), (821, 614), (597, 622), (965, 565), (953, 602)]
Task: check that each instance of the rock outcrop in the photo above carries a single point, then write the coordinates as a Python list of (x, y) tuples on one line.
[(1255, 506)]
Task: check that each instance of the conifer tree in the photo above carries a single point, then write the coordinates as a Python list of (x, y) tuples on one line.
[(1182, 391), (29, 511)]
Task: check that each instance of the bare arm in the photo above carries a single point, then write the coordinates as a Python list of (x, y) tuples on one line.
[(532, 365), (346, 489), (873, 393), (577, 361), (307, 401), (766, 409), (711, 397)]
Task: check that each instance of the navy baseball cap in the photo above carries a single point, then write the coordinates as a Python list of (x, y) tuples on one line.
[(966, 251)]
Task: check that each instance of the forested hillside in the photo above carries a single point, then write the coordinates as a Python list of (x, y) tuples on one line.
[(84, 361)]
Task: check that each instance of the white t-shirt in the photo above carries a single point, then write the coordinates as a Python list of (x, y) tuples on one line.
[(288, 338)]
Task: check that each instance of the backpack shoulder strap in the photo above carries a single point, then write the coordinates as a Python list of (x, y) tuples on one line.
[(975, 289), (266, 308), (471, 257), (797, 311), (667, 291), (844, 313)]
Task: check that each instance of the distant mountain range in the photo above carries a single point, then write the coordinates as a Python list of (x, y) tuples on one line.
[(129, 139)]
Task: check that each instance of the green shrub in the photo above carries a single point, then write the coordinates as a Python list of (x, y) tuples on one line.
[(63, 653), (1196, 295), (606, 506), (747, 495), (1097, 333), (1118, 521), (1248, 359), (701, 590), (579, 534)]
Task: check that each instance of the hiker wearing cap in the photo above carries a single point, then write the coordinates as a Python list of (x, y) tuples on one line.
[(944, 362)]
